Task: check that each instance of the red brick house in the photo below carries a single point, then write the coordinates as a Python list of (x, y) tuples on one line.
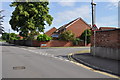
[(77, 26), (50, 32)]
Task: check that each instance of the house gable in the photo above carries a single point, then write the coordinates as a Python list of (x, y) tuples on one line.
[(78, 27), (50, 32)]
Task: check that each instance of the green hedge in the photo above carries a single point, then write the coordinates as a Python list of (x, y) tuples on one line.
[(43, 37)]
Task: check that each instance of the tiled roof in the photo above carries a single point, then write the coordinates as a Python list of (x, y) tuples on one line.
[(106, 28), (49, 32), (67, 25)]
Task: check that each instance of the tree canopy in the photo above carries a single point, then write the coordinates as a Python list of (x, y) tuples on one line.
[(10, 36), (67, 36), (43, 37), (86, 33), (30, 17)]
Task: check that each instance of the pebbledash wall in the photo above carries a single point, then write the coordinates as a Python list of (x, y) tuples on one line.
[(106, 44)]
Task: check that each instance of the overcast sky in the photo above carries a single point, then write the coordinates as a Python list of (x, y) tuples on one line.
[(64, 12)]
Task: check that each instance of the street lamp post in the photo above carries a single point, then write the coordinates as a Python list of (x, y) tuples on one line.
[(9, 34), (93, 12), (86, 37), (93, 22)]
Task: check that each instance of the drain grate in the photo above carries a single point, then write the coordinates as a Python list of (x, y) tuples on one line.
[(18, 67)]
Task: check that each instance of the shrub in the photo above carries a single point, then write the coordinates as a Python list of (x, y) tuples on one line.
[(10, 36), (43, 37), (13, 36), (5, 36), (76, 41), (87, 33), (67, 36)]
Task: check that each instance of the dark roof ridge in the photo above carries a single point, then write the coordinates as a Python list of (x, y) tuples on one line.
[(50, 29), (85, 22), (68, 24)]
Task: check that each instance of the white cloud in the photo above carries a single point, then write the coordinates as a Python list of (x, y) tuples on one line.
[(83, 0), (7, 13), (7, 26), (112, 5), (108, 21), (67, 2), (113, 0), (83, 11)]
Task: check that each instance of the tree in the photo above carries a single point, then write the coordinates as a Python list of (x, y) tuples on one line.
[(67, 36), (43, 37), (10, 36), (30, 17), (5, 36), (13, 36), (76, 41), (1, 20), (32, 35), (87, 34)]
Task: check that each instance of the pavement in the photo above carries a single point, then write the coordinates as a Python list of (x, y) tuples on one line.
[(98, 63)]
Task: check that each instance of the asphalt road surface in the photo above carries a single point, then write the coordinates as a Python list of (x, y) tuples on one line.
[(30, 62)]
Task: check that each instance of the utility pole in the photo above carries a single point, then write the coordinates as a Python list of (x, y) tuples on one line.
[(93, 21), (93, 12), (9, 34), (86, 37)]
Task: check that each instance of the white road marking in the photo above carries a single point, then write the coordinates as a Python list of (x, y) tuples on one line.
[(46, 54)]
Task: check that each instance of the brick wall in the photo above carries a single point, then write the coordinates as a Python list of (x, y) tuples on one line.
[(107, 38), (57, 43), (52, 43), (107, 44)]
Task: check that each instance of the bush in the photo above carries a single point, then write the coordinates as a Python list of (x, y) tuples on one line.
[(10, 36), (67, 36), (5, 36), (43, 37), (82, 37), (76, 41), (13, 36)]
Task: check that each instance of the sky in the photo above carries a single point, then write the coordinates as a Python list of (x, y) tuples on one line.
[(64, 12)]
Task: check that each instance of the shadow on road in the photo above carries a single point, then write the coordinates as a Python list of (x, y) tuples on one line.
[(6, 44)]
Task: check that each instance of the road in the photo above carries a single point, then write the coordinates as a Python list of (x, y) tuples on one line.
[(29, 62)]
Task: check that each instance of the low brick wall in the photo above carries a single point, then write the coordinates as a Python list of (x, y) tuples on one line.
[(57, 43), (106, 44), (52, 43), (35, 43)]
